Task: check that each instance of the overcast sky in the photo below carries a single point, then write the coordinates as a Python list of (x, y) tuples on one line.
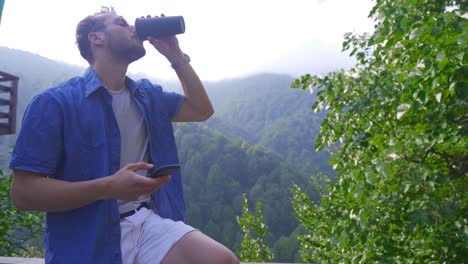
[(225, 39)]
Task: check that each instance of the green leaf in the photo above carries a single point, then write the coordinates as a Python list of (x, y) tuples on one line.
[(401, 110), (415, 33)]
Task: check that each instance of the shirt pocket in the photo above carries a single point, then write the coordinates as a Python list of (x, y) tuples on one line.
[(93, 161), (91, 138)]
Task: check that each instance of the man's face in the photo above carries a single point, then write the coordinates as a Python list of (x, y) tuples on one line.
[(121, 39)]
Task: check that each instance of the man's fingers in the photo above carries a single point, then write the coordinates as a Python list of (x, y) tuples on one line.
[(154, 184), (139, 166), (160, 181), (149, 16), (155, 181), (164, 179)]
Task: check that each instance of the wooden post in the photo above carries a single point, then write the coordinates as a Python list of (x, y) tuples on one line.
[(9, 86)]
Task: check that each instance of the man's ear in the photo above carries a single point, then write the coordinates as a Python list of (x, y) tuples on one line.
[(96, 38)]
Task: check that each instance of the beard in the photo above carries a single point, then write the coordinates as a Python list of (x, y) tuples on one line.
[(126, 51), (131, 54)]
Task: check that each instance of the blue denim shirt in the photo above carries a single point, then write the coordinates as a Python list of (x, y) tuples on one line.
[(69, 133)]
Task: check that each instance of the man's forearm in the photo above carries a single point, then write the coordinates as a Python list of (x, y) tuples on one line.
[(194, 92), (39, 193)]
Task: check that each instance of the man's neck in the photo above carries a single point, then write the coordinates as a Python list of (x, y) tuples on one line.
[(111, 73)]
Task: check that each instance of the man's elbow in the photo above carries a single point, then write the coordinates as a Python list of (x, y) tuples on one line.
[(206, 114), (18, 200), (209, 114), (21, 190)]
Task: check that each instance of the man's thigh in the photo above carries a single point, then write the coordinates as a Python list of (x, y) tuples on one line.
[(196, 247), (157, 236)]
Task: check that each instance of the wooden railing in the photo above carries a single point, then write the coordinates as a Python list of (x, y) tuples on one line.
[(5, 260)]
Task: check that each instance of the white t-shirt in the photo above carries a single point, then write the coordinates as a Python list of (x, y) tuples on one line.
[(133, 138)]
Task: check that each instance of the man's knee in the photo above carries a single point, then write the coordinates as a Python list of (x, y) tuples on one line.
[(229, 257)]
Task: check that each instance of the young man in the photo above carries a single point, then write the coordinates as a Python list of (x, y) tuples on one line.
[(86, 145)]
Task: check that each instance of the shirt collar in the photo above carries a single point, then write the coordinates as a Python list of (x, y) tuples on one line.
[(131, 86), (92, 82)]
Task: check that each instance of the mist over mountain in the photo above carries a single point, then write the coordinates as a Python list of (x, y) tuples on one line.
[(260, 141)]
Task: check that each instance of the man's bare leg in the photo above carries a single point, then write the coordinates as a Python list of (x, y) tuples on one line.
[(195, 247)]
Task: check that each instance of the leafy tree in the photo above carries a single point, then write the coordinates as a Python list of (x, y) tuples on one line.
[(253, 247), (397, 126), (286, 248), (19, 231)]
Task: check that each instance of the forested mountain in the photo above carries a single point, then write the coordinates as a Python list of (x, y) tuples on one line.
[(217, 170), (259, 142), (263, 110)]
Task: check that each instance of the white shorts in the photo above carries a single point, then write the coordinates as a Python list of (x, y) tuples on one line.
[(147, 238)]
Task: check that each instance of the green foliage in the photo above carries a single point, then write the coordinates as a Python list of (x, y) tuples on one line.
[(287, 248), (2, 3), (253, 247), (18, 230), (397, 127)]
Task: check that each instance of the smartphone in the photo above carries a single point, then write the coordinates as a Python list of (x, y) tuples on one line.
[(164, 170)]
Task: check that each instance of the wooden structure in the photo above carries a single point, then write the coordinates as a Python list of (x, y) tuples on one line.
[(8, 102)]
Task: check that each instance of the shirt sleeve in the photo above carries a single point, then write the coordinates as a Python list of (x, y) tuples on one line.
[(39, 145), (173, 101)]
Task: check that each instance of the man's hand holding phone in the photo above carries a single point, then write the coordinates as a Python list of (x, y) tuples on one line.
[(128, 185), (164, 170)]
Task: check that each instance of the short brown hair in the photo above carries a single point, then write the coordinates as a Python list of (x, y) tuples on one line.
[(90, 24)]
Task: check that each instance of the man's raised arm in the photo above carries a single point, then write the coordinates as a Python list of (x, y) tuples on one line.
[(197, 106)]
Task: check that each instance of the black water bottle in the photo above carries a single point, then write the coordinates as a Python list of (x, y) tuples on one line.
[(159, 26)]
